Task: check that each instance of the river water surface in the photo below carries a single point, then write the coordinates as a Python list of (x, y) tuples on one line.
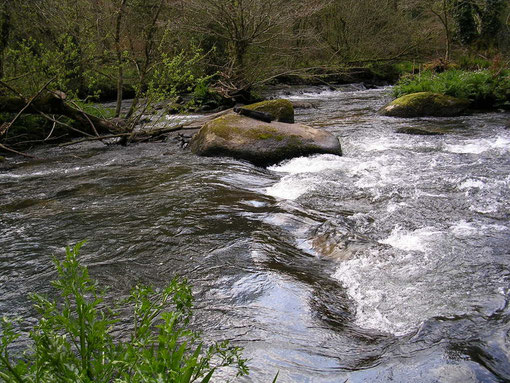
[(389, 264)]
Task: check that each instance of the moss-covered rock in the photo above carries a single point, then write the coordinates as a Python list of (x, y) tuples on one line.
[(2, 159), (425, 104), (260, 142), (281, 110)]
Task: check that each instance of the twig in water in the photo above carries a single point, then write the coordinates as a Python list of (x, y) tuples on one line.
[(94, 139)]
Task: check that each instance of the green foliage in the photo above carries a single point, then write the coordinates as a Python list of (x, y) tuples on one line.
[(38, 63), (482, 88), (178, 74), (464, 17), (472, 62), (478, 21), (405, 67), (73, 340)]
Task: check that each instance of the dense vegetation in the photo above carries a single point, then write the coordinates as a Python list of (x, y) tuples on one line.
[(211, 53), (483, 88), (96, 47), (80, 338)]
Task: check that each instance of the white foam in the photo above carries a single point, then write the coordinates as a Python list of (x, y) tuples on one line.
[(411, 240), (501, 144), (304, 174), (289, 188), (313, 95), (471, 183), (464, 229), (314, 164), (372, 299), (29, 175), (378, 145)]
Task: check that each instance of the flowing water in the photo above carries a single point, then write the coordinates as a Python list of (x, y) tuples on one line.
[(389, 264)]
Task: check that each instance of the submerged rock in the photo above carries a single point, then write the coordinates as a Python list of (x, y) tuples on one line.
[(425, 104), (281, 110), (260, 142), (304, 105), (423, 131)]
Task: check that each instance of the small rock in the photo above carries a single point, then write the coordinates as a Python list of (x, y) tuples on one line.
[(304, 105), (281, 109)]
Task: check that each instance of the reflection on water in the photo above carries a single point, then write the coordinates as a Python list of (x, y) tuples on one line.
[(387, 264)]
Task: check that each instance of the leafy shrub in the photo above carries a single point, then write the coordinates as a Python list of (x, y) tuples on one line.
[(482, 88), (73, 339), (33, 63), (177, 74)]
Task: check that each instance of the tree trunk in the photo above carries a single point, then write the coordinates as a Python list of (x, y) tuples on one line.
[(5, 29), (118, 50), (447, 32)]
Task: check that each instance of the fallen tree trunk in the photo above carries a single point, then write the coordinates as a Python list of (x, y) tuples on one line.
[(54, 103)]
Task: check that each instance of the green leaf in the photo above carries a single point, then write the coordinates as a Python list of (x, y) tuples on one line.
[(208, 377)]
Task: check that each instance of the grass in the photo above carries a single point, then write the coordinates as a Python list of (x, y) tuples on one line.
[(483, 88), (73, 339)]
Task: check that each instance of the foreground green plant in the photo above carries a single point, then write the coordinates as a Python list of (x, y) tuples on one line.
[(482, 88), (73, 341)]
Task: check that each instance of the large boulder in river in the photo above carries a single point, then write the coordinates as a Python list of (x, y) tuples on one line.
[(281, 110), (425, 104), (260, 142)]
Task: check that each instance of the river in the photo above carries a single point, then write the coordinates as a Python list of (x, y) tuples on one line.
[(389, 264)]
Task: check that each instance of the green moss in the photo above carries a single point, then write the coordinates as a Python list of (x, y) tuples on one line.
[(264, 133), (223, 126), (425, 104), (431, 99), (281, 110)]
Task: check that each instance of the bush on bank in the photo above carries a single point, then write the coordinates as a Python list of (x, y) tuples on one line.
[(483, 88)]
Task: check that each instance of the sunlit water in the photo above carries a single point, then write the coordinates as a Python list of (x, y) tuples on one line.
[(389, 264)]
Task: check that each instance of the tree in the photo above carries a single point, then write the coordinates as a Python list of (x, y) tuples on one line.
[(5, 29), (442, 10), (244, 30), (464, 17), (364, 30)]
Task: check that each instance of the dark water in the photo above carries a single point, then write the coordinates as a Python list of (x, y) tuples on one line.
[(390, 264)]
